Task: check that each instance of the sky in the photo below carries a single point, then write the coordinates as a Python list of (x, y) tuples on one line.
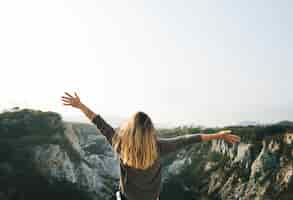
[(211, 63)]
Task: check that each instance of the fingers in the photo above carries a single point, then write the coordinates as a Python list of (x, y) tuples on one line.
[(69, 95), (233, 139), (230, 140), (67, 98), (65, 101), (230, 137), (236, 137), (76, 95)]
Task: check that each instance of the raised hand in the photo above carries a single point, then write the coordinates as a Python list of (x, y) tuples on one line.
[(70, 100), (227, 136)]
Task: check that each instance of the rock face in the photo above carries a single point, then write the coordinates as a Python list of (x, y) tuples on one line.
[(89, 174), (261, 170), (54, 161), (42, 157)]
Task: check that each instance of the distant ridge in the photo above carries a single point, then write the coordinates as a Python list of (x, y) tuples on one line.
[(286, 123), (248, 123)]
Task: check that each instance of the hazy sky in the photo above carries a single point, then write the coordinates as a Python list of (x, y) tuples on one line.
[(201, 62)]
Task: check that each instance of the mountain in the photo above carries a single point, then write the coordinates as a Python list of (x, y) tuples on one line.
[(286, 123), (248, 123), (44, 157)]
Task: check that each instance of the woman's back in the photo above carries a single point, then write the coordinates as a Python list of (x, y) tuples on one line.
[(144, 184)]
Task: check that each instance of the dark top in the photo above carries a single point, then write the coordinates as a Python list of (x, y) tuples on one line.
[(144, 184)]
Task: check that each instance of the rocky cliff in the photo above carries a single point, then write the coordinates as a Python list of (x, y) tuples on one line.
[(253, 170), (43, 157)]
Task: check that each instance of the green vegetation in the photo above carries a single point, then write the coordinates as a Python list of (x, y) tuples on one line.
[(29, 122), (23, 129), (247, 133), (258, 133), (181, 130), (20, 131)]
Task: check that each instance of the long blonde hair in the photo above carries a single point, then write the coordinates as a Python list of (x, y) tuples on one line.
[(136, 142)]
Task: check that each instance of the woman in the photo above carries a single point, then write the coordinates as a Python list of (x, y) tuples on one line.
[(139, 149)]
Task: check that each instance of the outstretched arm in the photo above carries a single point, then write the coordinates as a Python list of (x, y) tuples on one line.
[(168, 145), (100, 123), (225, 135)]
